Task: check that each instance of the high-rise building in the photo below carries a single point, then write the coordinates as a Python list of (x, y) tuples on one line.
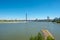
[(48, 18)]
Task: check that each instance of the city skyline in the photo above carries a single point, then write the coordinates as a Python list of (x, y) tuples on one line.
[(40, 9)]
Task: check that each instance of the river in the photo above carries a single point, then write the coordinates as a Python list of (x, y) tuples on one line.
[(23, 31)]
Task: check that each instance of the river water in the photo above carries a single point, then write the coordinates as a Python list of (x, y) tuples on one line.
[(23, 31)]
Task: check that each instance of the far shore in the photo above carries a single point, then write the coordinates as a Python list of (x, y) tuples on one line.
[(13, 22)]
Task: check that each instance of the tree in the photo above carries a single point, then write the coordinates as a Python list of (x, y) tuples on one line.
[(49, 38), (38, 37), (31, 38)]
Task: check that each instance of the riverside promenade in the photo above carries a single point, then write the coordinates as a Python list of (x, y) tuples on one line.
[(46, 33)]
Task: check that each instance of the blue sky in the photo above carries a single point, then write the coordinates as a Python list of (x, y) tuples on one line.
[(16, 9)]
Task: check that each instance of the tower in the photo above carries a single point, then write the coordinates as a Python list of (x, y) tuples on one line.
[(26, 16)]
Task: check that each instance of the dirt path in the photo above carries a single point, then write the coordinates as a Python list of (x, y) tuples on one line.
[(46, 33)]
